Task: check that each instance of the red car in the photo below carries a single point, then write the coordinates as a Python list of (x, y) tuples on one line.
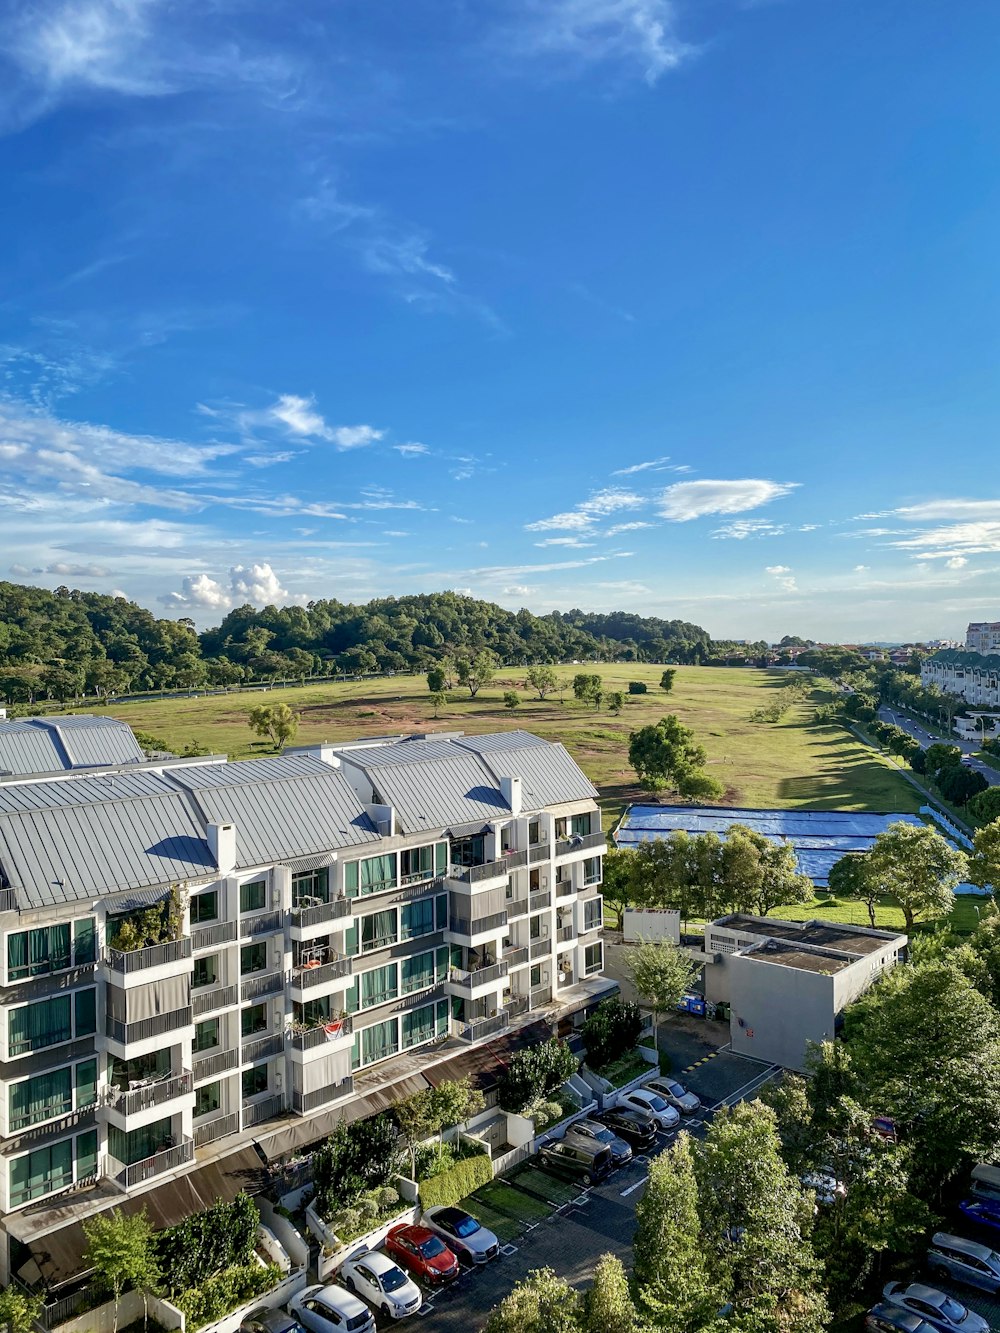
[(423, 1253)]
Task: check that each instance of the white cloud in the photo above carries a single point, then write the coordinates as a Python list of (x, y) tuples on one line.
[(956, 562), (953, 539), (686, 500), (563, 541), (783, 577), (257, 583), (299, 417), (654, 465), (198, 590), (947, 509), (585, 515), (626, 527), (517, 590), (742, 528), (638, 34), (65, 570), (777, 569), (861, 569), (411, 450), (395, 532)]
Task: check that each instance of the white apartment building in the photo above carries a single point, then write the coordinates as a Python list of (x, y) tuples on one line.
[(202, 960), (972, 672), (983, 636)]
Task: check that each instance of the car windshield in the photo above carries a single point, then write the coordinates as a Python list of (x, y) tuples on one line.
[(430, 1249), (675, 1090), (603, 1135), (657, 1103), (358, 1321), (953, 1311), (466, 1226), (393, 1279)]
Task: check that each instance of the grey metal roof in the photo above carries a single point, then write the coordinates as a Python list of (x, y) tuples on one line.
[(49, 744), (81, 790), (439, 792), (548, 772)]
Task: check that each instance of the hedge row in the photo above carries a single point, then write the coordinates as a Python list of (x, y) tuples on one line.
[(458, 1181), (227, 1291)]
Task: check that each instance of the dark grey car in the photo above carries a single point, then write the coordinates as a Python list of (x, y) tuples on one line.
[(600, 1135)]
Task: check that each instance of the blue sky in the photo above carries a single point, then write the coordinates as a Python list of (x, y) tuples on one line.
[(687, 307)]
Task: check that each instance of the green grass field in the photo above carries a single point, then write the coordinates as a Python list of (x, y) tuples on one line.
[(788, 763)]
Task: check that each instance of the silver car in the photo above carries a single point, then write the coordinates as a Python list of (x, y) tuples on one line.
[(941, 1311), (964, 1261), (374, 1277), (331, 1310), (676, 1094), (468, 1239)]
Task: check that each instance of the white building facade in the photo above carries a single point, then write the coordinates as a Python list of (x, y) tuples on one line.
[(973, 673)]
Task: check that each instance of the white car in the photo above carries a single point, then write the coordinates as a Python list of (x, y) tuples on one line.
[(676, 1094), (331, 1310), (381, 1283), (825, 1185), (642, 1099)]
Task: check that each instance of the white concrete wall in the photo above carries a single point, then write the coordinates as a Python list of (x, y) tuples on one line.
[(656, 924)]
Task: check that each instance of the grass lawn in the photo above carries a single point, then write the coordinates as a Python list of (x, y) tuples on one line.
[(503, 1226), (544, 1186), (963, 919), (787, 763), (514, 1203)]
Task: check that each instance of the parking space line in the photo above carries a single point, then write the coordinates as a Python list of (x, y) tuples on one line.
[(630, 1189)]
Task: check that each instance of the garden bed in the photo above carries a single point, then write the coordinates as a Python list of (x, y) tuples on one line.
[(629, 1067), (517, 1204), (546, 1187)]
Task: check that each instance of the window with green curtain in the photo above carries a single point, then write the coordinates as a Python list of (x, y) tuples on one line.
[(379, 985), (442, 1017), (86, 1084), (86, 1012), (254, 1081), (441, 962), (416, 863), (418, 1025), (592, 870), (84, 941), (379, 1041), (441, 911), (593, 958), (206, 1035), (593, 910), (378, 873), (86, 1154), (40, 1172), (205, 907), (351, 997), (41, 1098), (378, 930), (416, 919), (418, 972), (253, 1020), (311, 884), (207, 1098), (314, 1012), (351, 940), (351, 879), (253, 896), (35, 1026), (33, 953), (440, 858), (139, 1144), (579, 825)]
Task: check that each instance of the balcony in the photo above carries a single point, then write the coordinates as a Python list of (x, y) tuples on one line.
[(477, 874), (580, 842), (515, 957), (482, 976), (216, 1129), (128, 1033), (207, 937), (564, 887), (256, 988), (541, 995), (486, 1027), (267, 1109), (542, 851), (207, 1001), (209, 1066), (477, 925), (152, 1094), (315, 913), (154, 955), (517, 909), (541, 948), (170, 1159), (517, 1006), (262, 923), (322, 1035), (304, 1102), (565, 933), (537, 902), (310, 975), (262, 1048)]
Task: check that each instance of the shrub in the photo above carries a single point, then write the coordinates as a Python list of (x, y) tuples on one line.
[(636, 687), (612, 1028), (368, 1212), (387, 1197), (369, 1207), (458, 1181), (534, 1073), (217, 1296), (348, 1222), (355, 1158), (548, 1113), (218, 1239)]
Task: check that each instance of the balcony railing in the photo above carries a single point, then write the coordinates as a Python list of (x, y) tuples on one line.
[(515, 957), (153, 1094), (564, 887), (262, 1048), (542, 851), (580, 842), (319, 974), (541, 948), (565, 933), (262, 923), (256, 988), (8, 900), (206, 937), (154, 955), (220, 1063), (486, 1027), (167, 1160), (146, 1028), (304, 1102), (517, 909), (541, 995), (517, 1006), (481, 976), (207, 1001), (319, 1036), (313, 914), (537, 902), (216, 1129), (477, 925), (255, 1112), (476, 874)]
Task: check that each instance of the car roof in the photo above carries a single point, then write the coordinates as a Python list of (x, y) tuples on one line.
[(962, 1245), (901, 1318), (340, 1299), (929, 1294), (414, 1232), (376, 1260), (447, 1213), (632, 1113), (272, 1318)]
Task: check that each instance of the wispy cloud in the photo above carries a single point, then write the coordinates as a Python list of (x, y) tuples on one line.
[(783, 576), (586, 515), (563, 541), (687, 500), (637, 35), (635, 526), (411, 450), (740, 529), (295, 416), (653, 465)]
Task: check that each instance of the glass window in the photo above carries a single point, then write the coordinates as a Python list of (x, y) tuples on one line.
[(440, 858), (205, 907), (86, 1155), (311, 887), (38, 1025), (560, 827), (40, 1098), (253, 1020), (84, 941), (416, 863), (535, 975), (535, 927), (206, 1035), (373, 875), (205, 971), (579, 825), (40, 1172), (314, 1012), (139, 1144), (418, 972), (593, 910), (379, 1041), (533, 833), (416, 918), (378, 931), (255, 1081), (442, 1018), (253, 957), (592, 870), (86, 1084), (469, 851), (441, 911), (86, 1012), (253, 896), (208, 1098), (441, 962), (33, 953), (379, 985), (419, 1025), (593, 958)]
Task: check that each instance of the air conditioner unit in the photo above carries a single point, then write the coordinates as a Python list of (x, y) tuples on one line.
[(562, 977), (544, 881), (545, 977), (545, 928)]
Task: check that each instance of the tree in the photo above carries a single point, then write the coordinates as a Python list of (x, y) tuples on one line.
[(276, 721), (793, 1113), (918, 868), (986, 806), (612, 1028), (436, 679), (637, 687), (122, 1251), (667, 680), (984, 863), (511, 700), (959, 784), (540, 1303), (533, 1073), (939, 756), (476, 673), (608, 1304), (589, 689), (675, 1292), (758, 874), (661, 973), (416, 1117), (616, 701), (665, 755), (852, 877), (438, 701), (19, 1310), (543, 680), (617, 881), (451, 1103)]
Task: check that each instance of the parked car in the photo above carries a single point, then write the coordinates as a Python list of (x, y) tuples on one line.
[(940, 1310), (331, 1310), (893, 1319), (636, 1127), (270, 1321), (422, 1252), (641, 1099), (964, 1261), (592, 1131), (981, 1212), (676, 1094), (985, 1182), (467, 1238), (825, 1185), (579, 1161), (382, 1283)]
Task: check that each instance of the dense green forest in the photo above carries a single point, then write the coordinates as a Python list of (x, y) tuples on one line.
[(62, 644)]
